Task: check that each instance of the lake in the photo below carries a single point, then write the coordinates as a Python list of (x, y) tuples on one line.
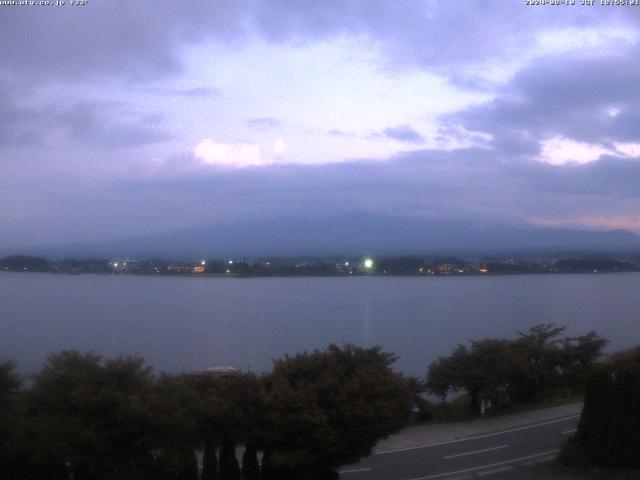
[(189, 324)]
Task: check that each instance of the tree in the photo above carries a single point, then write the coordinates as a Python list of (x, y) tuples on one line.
[(536, 364), (231, 410), (173, 405), (209, 461), (229, 468), (593, 429), (188, 467), (608, 432), (446, 373), (483, 371), (325, 409), (250, 466), (90, 416), (9, 388), (580, 356), (9, 384)]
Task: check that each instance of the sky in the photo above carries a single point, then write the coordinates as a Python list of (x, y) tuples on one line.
[(120, 119)]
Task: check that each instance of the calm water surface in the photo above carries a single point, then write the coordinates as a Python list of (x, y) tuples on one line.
[(193, 323)]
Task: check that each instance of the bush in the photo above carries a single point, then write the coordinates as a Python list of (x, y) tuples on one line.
[(452, 411), (609, 430)]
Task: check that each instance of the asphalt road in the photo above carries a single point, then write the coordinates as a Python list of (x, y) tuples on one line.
[(471, 457)]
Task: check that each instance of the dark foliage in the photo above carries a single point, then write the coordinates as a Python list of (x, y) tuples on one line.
[(90, 416), (173, 435), (229, 468), (250, 466), (110, 419), (209, 461), (329, 408), (538, 364), (9, 387), (609, 429)]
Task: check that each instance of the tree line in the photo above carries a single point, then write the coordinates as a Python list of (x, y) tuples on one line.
[(540, 363), (86, 417)]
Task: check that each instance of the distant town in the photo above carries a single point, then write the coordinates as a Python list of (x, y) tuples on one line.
[(351, 266)]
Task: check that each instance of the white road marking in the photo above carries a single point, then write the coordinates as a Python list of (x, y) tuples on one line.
[(428, 445), (567, 432), (476, 451), (491, 465), (355, 470)]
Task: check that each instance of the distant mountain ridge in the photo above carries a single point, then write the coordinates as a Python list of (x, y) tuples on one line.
[(349, 235)]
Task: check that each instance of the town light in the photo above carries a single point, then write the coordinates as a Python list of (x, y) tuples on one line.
[(368, 263)]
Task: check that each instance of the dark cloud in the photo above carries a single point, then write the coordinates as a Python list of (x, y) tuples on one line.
[(263, 122), (195, 92), (609, 176), (16, 122), (146, 41), (469, 183), (585, 99), (474, 184), (102, 124), (403, 133), (433, 34), (110, 124), (142, 43)]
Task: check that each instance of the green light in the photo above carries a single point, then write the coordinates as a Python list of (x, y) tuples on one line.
[(368, 263)]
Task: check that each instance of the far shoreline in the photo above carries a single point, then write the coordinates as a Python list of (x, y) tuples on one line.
[(309, 275)]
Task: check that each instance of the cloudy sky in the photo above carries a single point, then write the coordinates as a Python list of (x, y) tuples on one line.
[(126, 118)]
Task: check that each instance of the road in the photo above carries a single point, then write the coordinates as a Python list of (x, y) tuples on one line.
[(475, 456)]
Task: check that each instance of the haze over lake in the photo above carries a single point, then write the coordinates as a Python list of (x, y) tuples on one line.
[(189, 324)]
